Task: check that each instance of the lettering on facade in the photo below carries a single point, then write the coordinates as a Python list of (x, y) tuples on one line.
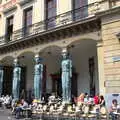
[(116, 59), (8, 5), (112, 83)]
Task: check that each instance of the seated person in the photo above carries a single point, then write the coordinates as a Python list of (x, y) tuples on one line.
[(101, 101), (96, 99), (80, 99), (52, 98), (20, 107), (114, 107), (14, 105), (86, 98), (7, 101)]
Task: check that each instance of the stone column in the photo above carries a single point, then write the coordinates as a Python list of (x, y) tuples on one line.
[(66, 66), (100, 54), (38, 77), (16, 80), (1, 79)]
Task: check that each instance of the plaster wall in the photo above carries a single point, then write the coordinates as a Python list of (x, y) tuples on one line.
[(63, 6)]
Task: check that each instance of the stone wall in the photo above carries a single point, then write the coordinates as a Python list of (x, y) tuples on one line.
[(111, 46)]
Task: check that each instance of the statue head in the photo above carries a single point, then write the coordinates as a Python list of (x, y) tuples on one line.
[(64, 53), (38, 59), (16, 62)]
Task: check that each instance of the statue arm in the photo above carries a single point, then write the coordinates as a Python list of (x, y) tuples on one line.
[(19, 74), (1, 75), (42, 67), (70, 68)]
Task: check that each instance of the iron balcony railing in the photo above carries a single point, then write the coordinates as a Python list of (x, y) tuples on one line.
[(51, 23)]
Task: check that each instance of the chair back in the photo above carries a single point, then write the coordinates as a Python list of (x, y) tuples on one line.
[(103, 110), (86, 109)]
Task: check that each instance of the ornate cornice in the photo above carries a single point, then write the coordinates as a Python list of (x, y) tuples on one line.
[(23, 2), (14, 7), (58, 33), (108, 12)]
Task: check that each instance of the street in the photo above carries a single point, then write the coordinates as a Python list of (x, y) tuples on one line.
[(5, 114)]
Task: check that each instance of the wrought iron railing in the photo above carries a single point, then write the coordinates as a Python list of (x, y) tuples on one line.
[(51, 23)]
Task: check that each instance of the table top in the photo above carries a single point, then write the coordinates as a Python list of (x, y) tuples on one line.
[(116, 113)]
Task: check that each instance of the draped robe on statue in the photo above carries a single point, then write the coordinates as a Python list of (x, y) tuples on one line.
[(16, 82), (38, 77), (1, 81), (66, 80)]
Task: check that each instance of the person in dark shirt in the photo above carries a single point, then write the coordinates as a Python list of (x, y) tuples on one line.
[(101, 101)]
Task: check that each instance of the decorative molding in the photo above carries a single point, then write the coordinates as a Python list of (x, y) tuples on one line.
[(52, 35), (108, 12), (116, 58), (8, 6), (23, 2), (12, 8)]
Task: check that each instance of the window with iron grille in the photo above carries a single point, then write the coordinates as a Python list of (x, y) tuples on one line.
[(80, 9), (9, 28), (50, 12), (27, 21)]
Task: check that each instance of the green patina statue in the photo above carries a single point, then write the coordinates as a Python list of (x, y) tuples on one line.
[(38, 76), (1, 79), (66, 77), (16, 80)]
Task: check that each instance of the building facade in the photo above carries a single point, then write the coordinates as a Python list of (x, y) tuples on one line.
[(88, 29)]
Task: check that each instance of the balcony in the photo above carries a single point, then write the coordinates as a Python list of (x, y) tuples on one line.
[(66, 19)]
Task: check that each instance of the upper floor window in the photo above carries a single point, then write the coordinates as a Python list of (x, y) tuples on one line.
[(9, 28), (112, 3), (28, 20), (79, 3), (50, 12), (28, 17), (80, 9)]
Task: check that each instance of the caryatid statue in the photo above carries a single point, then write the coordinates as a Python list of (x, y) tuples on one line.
[(16, 80), (38, 77), (1, 79), (66, 77)]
